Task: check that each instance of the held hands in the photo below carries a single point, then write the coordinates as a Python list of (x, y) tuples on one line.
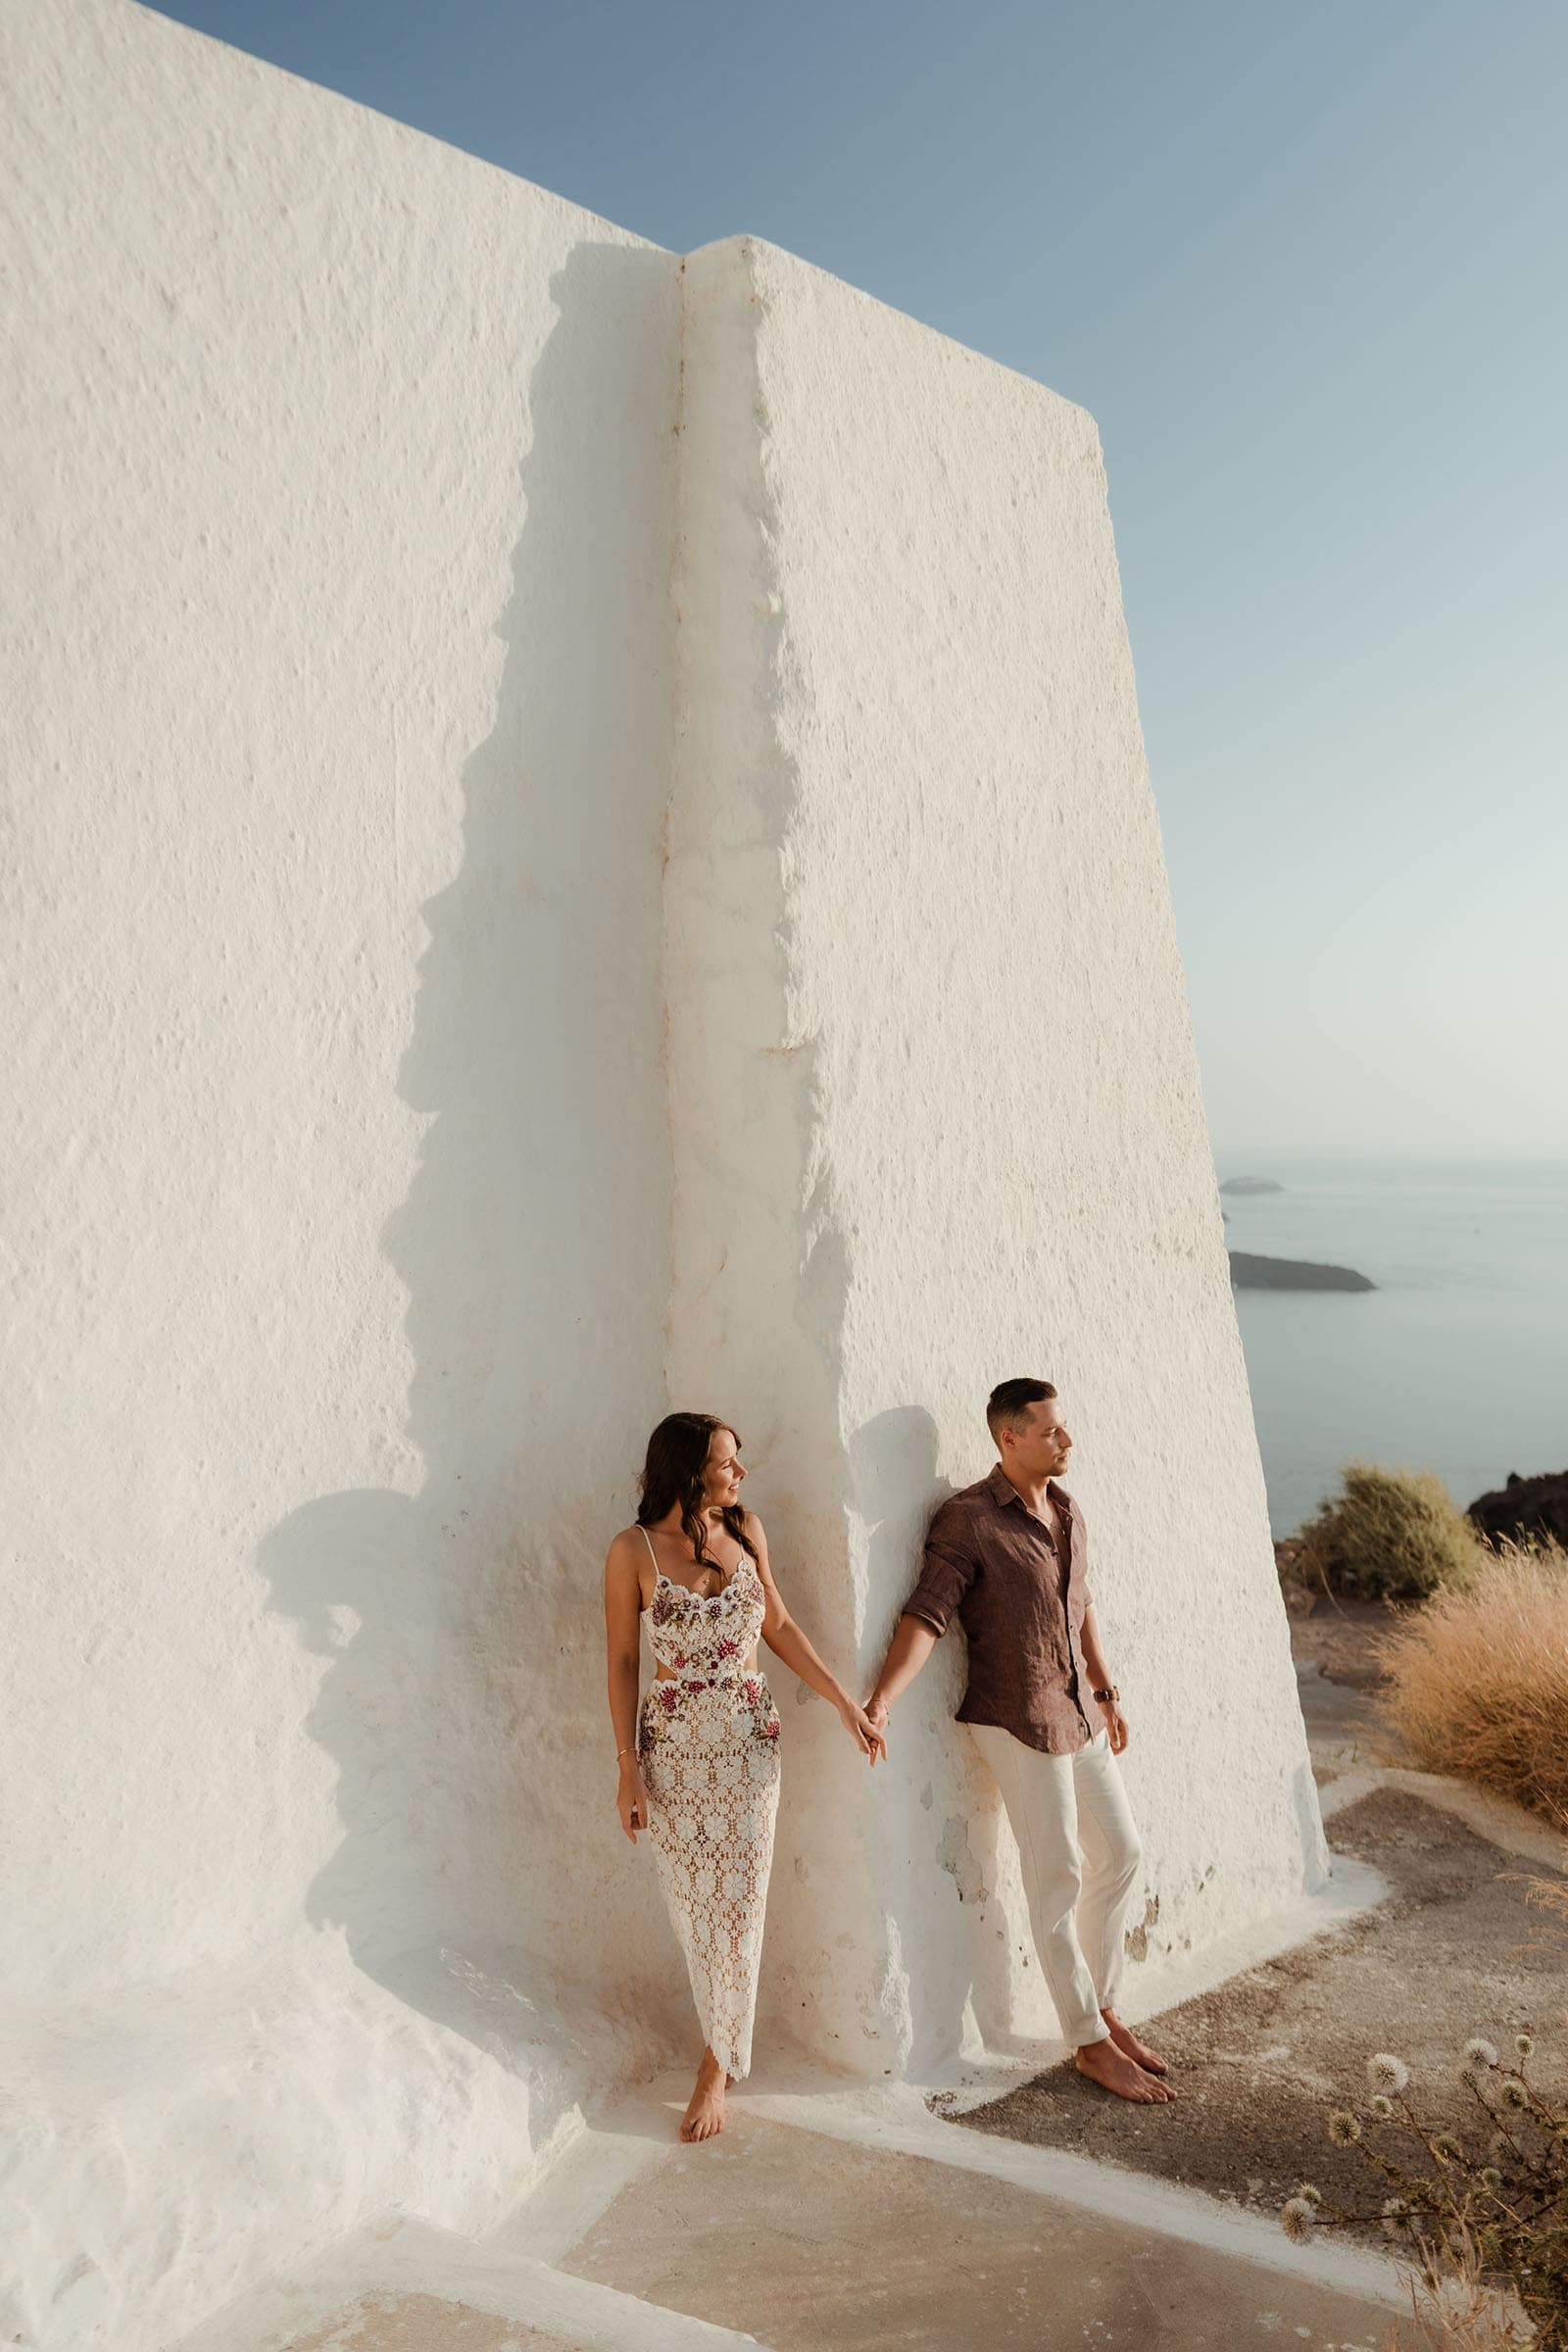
[(863, 1728), (876, 1715)]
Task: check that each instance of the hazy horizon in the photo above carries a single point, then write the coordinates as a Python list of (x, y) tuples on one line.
[(1295, 265)]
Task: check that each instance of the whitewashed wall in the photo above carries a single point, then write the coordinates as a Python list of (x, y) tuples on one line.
[(937, 1122), (403, 561), (338, 649)]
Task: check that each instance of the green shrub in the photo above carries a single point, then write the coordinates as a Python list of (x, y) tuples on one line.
[(1392, 1535)]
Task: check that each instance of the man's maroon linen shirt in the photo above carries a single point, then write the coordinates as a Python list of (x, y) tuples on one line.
[(1022, 1606)]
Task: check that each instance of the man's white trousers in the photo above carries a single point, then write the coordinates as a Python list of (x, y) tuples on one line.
[(1081, 1856)]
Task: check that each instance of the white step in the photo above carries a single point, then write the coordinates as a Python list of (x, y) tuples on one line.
[(414, 2288)]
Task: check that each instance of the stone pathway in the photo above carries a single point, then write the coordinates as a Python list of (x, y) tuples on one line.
[(826, 2221), (819, 2244)]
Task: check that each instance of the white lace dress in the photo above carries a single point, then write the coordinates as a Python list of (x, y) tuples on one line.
[(707, 1741)]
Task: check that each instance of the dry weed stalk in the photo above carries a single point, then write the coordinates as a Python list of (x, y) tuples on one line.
[(1465, 2211), (1464, 2315)]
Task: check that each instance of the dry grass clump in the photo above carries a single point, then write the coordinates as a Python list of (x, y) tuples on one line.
[(1392, 1535), (1463, 2314), (1478, 1679)]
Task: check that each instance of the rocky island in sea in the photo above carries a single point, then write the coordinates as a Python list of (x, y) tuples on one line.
[(1249, 1272), (1251, 1184)]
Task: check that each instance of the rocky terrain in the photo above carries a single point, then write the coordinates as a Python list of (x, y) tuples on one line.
[(1524, 1508)]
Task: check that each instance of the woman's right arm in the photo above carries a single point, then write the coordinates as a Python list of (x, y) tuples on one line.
[(623, 1602)]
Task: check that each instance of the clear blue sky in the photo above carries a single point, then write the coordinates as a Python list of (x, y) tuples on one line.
[(1305, 267)]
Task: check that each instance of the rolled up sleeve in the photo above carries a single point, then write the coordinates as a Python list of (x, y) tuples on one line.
[(945, 1574)]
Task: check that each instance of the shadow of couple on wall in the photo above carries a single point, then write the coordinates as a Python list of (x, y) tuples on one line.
[(935, 1845), (481, 1874)]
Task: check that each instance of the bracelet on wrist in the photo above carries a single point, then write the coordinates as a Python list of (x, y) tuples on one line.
[(1106, 1698)]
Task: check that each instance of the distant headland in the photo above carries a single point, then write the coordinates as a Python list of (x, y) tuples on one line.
[(1251, 1183), (1253, 1273)]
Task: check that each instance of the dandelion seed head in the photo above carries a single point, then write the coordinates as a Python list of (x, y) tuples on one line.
[(1296, 2218), (1523, 2045), (1313, 2196), (1343, 2129), (1448, 2150), (1514, 2093), (1490, 2177), (1479, 2052), (1385, 2072), (1381, 2107)]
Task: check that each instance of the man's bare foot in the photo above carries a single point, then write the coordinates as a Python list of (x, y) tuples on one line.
[(706, 2113), (1103, 2063), (1137, 2051)]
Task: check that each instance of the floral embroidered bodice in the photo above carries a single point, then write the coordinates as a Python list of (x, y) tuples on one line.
[(705, 1637), (707, 1741)]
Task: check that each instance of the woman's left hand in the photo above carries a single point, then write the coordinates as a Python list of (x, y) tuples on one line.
[(867, 1736), (1116, 1725)]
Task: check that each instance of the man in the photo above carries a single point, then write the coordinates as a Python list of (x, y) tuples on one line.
[(1007, 1554)]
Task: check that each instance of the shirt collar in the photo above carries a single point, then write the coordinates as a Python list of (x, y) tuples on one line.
[(1001, 1489)]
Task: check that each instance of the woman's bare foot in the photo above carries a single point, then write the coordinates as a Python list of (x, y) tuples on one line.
[(1137, 2051), (706, 2113), (1111, 2067)]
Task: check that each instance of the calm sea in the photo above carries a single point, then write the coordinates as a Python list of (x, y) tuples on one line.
[(1457, 1362)]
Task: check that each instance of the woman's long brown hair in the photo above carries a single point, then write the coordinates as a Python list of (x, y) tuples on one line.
[(673, 1474)]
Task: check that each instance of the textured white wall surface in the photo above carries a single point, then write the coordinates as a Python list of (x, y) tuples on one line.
[(338, 698), (937, 1122), (578, 840)]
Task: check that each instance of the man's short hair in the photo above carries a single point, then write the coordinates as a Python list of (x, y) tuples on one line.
[(1007, 1405)]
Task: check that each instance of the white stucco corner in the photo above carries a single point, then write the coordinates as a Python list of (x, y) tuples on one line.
[(915, 835), (546, 784)]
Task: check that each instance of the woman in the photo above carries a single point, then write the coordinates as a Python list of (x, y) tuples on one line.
[(700, 1762)]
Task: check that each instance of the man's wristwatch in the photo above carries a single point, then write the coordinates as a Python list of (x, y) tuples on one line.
[(1104, 1697)]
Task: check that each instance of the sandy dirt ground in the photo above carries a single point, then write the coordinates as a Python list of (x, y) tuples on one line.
[(1259, 2063), (1455, 1951)]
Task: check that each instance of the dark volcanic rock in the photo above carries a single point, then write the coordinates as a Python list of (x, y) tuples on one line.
[(1525, 1506), (1251, 1183), (1251, 1273)]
